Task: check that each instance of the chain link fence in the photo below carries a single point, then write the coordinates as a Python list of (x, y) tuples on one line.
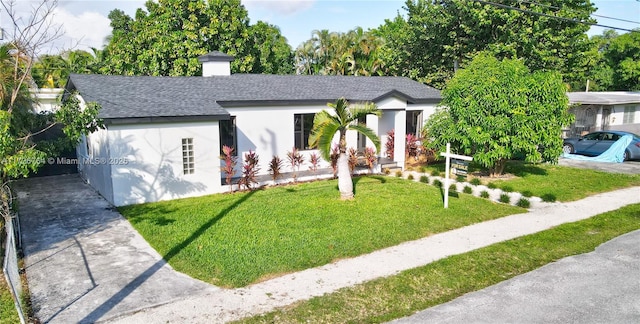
[(10, 266)]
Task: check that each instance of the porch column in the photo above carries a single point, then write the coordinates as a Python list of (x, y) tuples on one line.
[(400, 127), (373, 123)]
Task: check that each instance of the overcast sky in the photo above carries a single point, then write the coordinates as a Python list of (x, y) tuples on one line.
[(86, 24)]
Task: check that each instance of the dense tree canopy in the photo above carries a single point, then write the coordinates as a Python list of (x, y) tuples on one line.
[(623, 57), (442, 32), (168, 37), (499, 110), (52, 71), (356, 52)]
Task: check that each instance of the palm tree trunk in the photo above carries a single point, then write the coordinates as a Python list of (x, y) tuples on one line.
[(345, 185)]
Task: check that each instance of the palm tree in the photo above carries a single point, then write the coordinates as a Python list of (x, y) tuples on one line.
[(325, 127)]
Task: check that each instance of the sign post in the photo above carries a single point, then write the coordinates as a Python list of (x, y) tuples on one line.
[(447, 165)]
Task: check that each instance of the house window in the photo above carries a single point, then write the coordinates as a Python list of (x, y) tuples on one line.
[(228, 134), (188, 160), (303, 124), (629, 115)]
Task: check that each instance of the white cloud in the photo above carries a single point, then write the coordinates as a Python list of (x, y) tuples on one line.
[(84, 30), (285, 7)]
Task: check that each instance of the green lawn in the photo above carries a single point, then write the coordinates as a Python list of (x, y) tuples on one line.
[(233, 240), (8, 313), (558, 182), (441, 281)]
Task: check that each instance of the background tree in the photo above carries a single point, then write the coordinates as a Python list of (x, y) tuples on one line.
[(499, 110), (623, 56), (52, 71), (19, 153), (343, 117), (441, 33), (356, 52), (168, 37)]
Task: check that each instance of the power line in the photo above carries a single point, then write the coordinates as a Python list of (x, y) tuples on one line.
[(551, 16), (595, 15)]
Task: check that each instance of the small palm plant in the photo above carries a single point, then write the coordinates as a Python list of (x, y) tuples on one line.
[(344, 117), (250, 170), (295, 160), (370, 158), (314, 160)]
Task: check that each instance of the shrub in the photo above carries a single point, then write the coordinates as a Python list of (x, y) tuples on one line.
[(524, 203), (353, 159), (548, 197), (386, 171), (399, 174), (250, 170), (370, 158), (230, 161), (410, 177), (437, 183), (275, 167), (435, 173), (411, 147), (389, 145), (453, 187), (504, 198), (467, 190), (527, 193), (424, 179), (491, 185), (314, 159), (461, 178), (507, 189), (422, 169), (484, 194), (295, 160), (476, 182)]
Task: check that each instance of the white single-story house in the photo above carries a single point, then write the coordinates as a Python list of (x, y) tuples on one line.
[(163, 135), (616, 110)]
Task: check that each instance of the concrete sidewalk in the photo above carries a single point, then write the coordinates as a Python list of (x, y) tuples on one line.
[(231, 304)]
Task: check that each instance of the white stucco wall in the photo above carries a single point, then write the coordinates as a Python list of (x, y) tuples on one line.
[(46, 99), (146, 161), (93, 152)]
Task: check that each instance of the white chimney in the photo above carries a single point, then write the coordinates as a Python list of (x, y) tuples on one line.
[(215, 63)]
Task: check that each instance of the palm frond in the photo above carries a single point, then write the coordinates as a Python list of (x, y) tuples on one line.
[(368, 132)]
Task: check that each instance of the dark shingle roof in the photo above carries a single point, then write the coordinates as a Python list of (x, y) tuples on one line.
[(146, 96)]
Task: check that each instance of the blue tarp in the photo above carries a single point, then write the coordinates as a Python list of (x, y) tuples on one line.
[(615, 153)]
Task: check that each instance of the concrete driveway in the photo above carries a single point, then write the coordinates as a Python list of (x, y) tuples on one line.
[(628, 167), (84, 262)]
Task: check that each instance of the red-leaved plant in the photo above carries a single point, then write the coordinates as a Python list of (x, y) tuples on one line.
[(389, 145), (275, 167), (314, 160), (411, 149), (250, 170), (370, 158), (353, 159), (295, 160), (229, 167), (335, 154)]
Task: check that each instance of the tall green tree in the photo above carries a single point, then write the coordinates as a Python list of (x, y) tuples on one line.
[(52, 71), (356, 52), (167, 38), (499, 110), (443, 33), (327, 124), (623, 56)]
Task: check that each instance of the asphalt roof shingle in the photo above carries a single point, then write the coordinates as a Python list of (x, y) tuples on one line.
[(147, 96)]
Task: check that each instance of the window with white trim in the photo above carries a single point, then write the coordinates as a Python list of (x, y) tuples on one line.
[(629, 115), (188, 158)]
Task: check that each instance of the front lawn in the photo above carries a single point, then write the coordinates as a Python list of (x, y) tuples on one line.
[(233, 240), (8, 313), (554, 182), (393, 297)]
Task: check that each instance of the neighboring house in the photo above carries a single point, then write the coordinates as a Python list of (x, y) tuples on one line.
[(595, 111), (163, 135), (46, 99)]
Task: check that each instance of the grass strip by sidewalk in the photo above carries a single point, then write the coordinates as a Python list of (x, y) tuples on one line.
[(8, 313), (555, 182), (417, 289), (236, 239)]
